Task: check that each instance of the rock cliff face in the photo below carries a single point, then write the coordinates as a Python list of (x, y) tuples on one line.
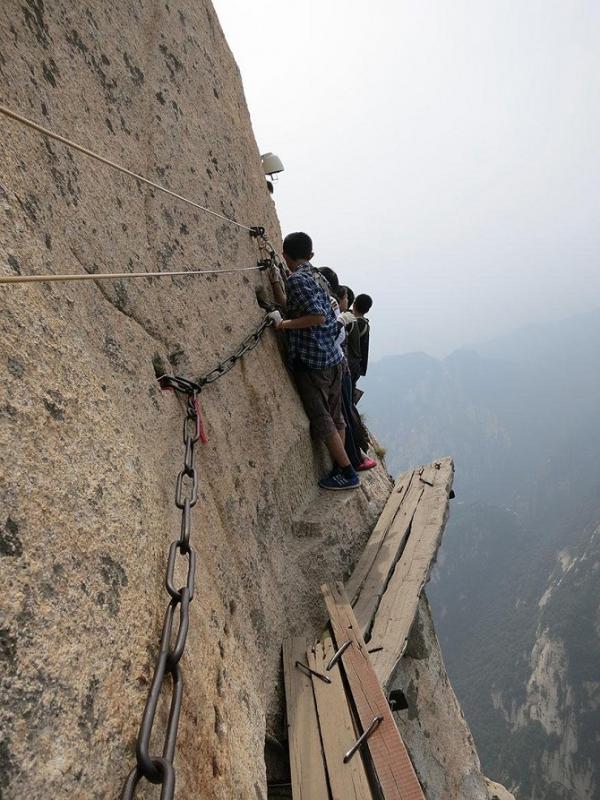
[(559, 709), (434, 727), (90, 448)]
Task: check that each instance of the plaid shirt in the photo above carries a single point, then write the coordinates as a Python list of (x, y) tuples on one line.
[(312, 348)]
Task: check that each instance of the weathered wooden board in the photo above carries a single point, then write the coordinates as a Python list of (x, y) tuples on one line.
[(398, 606), (375, 583), (395, 772), (346, 781), (369, 554), (307, 766)]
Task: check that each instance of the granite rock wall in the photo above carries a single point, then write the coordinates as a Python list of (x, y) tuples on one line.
[(90, 447)]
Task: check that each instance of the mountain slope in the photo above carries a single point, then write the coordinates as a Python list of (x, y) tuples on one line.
[(516, 590)]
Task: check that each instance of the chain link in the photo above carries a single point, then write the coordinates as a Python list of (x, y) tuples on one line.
[(269, 252), (228, 363), (160, 770), (154, 769), (271, 257), (184, 385)]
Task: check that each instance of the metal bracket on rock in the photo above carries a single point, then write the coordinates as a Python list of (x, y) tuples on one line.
[(178, 384), (397, 700)]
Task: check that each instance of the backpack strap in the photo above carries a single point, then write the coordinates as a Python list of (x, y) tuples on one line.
[(363, 329)]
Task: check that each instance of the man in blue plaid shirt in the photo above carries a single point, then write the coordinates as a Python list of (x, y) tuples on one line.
[(311, 330)]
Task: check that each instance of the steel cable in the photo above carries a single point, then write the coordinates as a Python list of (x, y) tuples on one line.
[(7, 112), (88, 276)]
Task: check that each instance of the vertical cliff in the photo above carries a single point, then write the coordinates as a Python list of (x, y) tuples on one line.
[(90, 447), (557, 713)]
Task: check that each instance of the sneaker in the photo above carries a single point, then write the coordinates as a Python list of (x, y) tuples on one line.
[(366, 463), (335, 470), (337, 482)]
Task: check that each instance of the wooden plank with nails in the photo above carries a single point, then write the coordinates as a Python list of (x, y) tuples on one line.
[(375, 582), (347, 781), (307, 765), (369, 554), (392, 764)]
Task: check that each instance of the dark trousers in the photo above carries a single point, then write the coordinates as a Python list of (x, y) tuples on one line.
[(352, 449)]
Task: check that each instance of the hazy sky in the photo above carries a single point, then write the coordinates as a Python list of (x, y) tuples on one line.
[(444, 155)]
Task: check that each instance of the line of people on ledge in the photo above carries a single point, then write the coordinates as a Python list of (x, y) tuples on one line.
[(327, 343)]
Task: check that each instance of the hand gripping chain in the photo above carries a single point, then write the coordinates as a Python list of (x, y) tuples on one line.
[(155, 769)]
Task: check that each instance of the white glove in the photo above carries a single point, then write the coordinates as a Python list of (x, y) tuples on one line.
[(276, 317)]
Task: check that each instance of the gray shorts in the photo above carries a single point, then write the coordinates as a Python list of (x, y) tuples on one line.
[(321, 394)]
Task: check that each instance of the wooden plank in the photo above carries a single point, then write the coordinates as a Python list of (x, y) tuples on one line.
[(369, 554), (376, 581), (395, 773), (346, 781), (307, 766), (398, 606)]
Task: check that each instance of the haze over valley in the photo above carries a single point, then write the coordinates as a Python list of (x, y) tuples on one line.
[(517, 587)]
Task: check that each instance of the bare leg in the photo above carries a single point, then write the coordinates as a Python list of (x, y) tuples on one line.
[(335, 445)]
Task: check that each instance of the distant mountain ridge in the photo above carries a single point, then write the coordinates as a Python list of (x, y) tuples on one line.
[(575, 336), (516, 592)]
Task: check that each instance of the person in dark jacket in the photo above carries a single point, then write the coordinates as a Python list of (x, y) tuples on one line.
[(357, 438), (362, 306), (357, 327)]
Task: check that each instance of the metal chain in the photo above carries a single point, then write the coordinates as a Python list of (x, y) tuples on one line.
[(154, 769), (265, 246), (222, 368), (160, 770), (271, 257), (228, 363)]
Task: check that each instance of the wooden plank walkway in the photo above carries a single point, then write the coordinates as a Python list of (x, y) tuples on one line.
[(398, 606), (346, 781), (395, 772), (376, 581), (380, 531), (325, 719), (307, 767)]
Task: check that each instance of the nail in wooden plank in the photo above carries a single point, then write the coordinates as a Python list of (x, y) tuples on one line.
[(347, 781), (395, 772)]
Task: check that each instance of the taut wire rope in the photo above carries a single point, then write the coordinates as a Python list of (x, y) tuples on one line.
[(154, 769), (7, 112), (88, 276)]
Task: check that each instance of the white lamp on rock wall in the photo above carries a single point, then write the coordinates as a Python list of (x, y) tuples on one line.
[(271, 165)]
